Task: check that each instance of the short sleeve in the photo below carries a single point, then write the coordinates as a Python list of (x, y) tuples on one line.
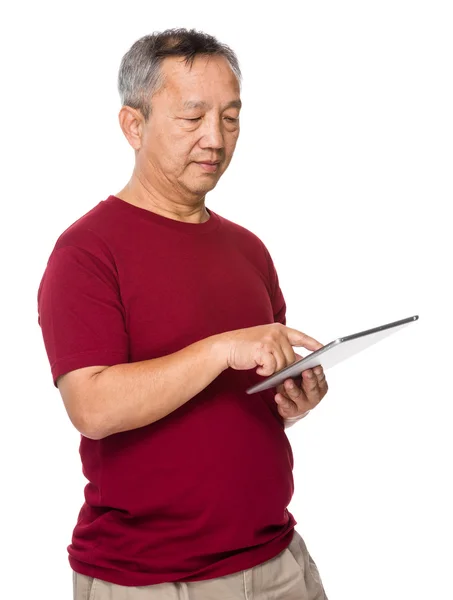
[(278, 300), (80, 312)]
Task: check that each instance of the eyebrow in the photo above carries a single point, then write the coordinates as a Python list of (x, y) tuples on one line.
[(200, 104)]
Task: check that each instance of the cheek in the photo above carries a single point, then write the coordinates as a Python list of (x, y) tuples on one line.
[(173, 151), (181, 146), (231, 142)]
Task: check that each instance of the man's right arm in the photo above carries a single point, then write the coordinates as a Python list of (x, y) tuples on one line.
[(102, 400), (81, 315)]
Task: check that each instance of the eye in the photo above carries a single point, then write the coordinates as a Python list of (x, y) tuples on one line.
[(197, 119), (231, 120)]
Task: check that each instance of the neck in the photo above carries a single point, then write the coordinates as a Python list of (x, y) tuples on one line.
[(143, 194)]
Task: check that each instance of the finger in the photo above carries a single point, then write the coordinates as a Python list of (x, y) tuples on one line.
[(307, 395), (292, 389), (287, 356), (297, 381), (309, 380), (268, 363), (296, 396), (284, 355), (291, 358), (289, 408), (321, 377), (288, 353), (297, 338), (311, 388)]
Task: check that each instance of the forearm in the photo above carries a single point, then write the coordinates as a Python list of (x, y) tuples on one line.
[(132, 395)]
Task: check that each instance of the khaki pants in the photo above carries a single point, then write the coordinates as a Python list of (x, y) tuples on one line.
[(291, 575)]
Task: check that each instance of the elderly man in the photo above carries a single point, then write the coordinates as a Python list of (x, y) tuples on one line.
[(157, 314)]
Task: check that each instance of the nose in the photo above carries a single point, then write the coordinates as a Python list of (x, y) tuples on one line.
[(212, 135)]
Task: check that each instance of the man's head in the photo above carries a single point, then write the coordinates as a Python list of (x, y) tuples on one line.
[(180, 92)]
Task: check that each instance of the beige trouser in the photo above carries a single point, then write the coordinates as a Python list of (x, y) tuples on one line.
[(291, 575)]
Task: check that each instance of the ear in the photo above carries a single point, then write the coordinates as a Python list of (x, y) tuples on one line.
[(131, 123)]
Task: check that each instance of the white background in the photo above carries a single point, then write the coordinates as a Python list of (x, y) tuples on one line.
[(344, 169)]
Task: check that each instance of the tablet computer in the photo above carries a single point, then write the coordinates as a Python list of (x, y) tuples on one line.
[(332, 353)]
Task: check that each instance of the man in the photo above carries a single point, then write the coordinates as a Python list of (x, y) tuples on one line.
[(157, 314)]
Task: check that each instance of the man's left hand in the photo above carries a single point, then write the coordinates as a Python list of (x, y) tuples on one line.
[(295, 397)]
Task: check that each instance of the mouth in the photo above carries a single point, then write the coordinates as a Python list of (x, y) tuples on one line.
[(209, 167)]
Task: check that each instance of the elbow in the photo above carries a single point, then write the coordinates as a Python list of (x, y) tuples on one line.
[(93, 434), (90, 426), (83, 403)]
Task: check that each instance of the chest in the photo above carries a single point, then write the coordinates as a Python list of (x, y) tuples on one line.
[(177, 293)]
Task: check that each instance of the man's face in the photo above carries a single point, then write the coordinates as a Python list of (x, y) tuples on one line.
[(194, 118)]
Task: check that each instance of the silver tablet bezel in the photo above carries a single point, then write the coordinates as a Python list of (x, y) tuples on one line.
[(294, 370)]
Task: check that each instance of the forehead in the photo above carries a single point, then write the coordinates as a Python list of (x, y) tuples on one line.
[(208, 77), (188, 104)]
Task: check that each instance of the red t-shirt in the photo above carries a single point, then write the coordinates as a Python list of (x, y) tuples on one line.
[(203, 492)]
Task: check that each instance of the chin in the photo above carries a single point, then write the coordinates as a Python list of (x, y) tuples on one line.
[(203, 188)]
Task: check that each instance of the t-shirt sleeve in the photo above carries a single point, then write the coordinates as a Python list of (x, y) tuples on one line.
[(277, 298), (80, 312)]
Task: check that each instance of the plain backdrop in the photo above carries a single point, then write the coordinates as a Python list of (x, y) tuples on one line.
[(344, 169)]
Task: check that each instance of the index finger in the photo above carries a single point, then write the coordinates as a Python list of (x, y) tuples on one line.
[(298, 338)]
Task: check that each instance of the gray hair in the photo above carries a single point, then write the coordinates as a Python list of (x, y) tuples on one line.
[(140, 75)]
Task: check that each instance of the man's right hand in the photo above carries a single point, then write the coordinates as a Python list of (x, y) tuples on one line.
[(268, 347)]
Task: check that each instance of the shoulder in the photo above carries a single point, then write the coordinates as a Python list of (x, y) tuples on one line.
[(86, 235), (242, 234), (249, 243)]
